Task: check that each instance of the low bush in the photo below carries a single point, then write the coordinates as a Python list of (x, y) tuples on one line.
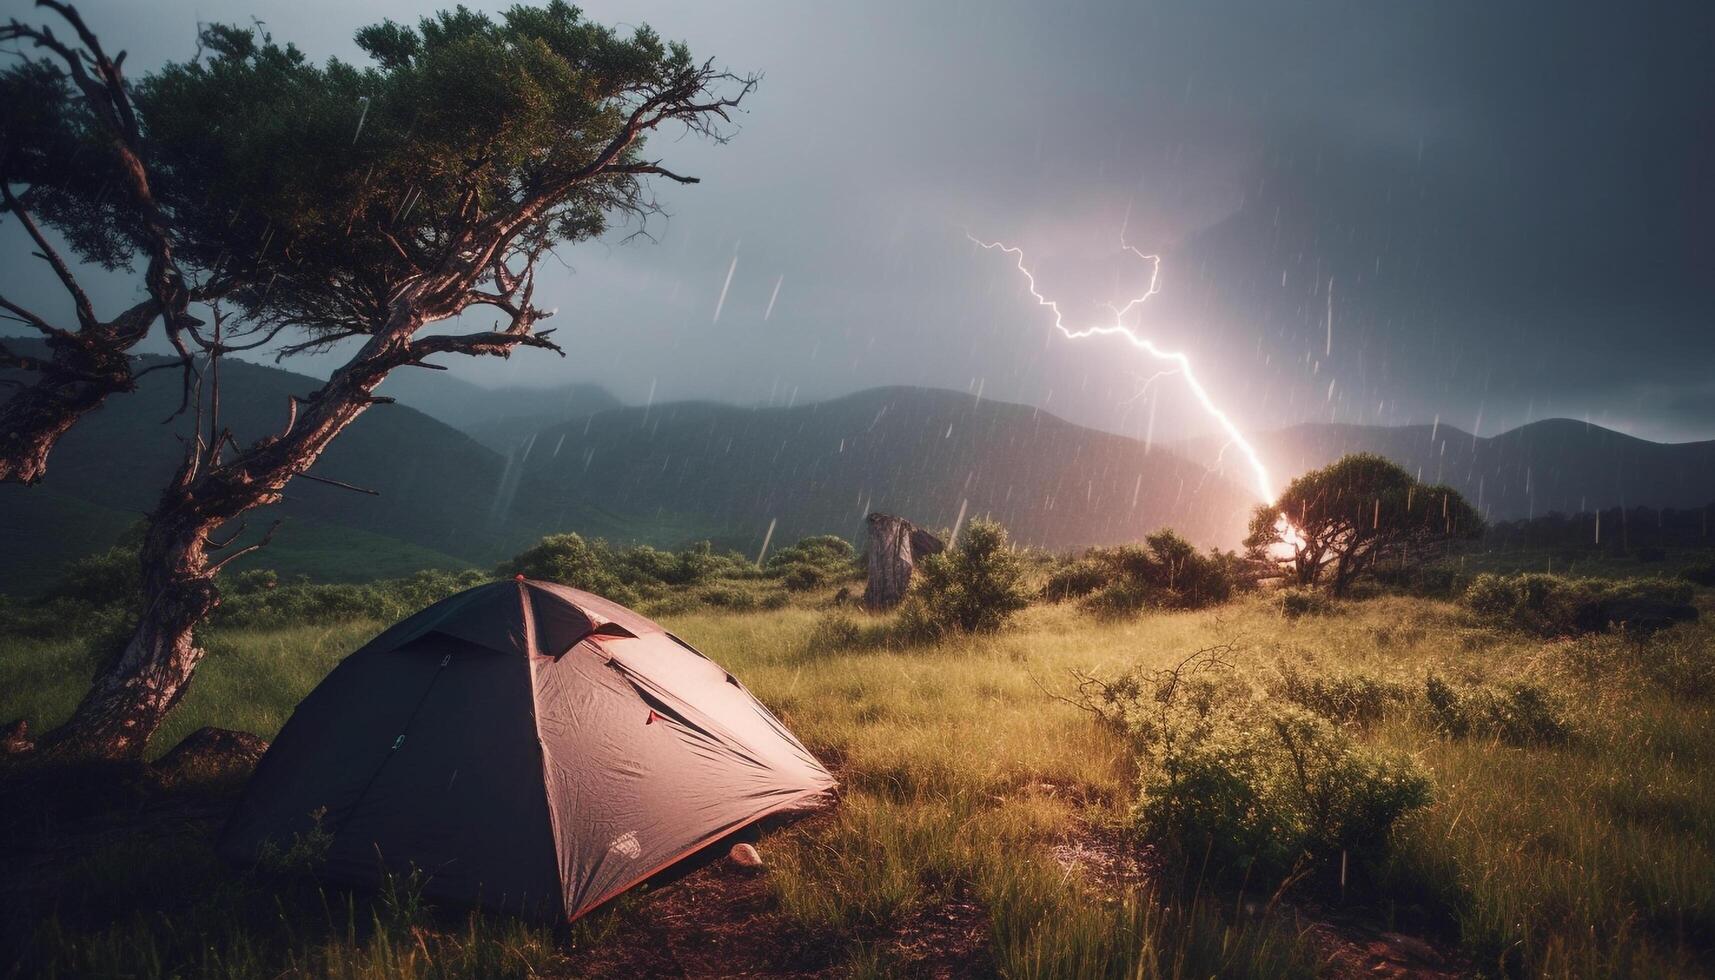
[(973, 587), (625, 575), (728, 597), (1435, 581), (254, 605), (1519, 713), (1248, 788), (1296, 602), (1558, 605), (1702, 573), (803, 578), (814, 562), (112, 577), (1075, 578), (1165, 572), (1345, 697)]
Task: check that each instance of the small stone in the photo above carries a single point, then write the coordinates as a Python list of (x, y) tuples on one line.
[(745, 856)]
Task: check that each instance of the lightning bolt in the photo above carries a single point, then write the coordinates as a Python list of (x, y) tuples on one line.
[(1264, 486)]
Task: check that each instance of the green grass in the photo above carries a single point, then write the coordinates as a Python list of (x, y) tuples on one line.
[(1591, 857), (335, 553)]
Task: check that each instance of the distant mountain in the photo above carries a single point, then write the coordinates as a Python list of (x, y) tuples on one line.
[(1552, 465), (496, 417), (107, 471), (929, 455), (663, 475)]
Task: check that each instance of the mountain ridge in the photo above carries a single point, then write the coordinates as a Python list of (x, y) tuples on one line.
[(1557, 464)]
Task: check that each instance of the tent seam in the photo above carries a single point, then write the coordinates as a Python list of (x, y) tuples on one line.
[(528, 614)]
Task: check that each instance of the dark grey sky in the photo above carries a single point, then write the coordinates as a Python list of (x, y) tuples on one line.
[(1513, 202)]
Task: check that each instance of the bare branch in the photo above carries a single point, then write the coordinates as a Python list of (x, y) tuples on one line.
[(267, 536), (85, 311), (337, 483)]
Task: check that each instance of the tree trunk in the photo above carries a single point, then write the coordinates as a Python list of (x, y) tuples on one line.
[(891, 556), (132, 696)]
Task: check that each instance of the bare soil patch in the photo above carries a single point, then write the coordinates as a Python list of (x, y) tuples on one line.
[(722, 921)]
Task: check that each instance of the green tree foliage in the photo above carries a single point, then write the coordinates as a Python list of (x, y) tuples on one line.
[(973, 587), (1345, 518), (323, 188), (341, 201)]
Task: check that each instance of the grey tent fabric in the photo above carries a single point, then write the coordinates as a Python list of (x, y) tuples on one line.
[(528, 747)]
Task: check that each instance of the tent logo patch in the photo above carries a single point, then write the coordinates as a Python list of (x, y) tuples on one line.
[(626, 844)]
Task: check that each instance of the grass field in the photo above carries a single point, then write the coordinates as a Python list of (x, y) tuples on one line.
[(966, 783)]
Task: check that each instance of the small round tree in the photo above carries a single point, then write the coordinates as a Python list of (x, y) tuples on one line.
[(1339, 521)]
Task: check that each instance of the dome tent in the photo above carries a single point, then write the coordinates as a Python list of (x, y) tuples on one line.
[(528, 747)]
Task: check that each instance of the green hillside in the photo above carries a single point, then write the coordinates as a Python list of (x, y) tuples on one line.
[(664, 475), (435, 486), (820, 468)]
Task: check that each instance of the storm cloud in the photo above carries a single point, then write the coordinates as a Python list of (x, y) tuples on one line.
[(1511, 204)]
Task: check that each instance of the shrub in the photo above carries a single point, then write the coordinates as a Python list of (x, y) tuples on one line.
[(1273, 790), (1076, 578), (828, 551), (254, 607), (700, 562), (1519, 713), (1556, 605), (1433, 581), (624, 575), (974, 587), (1650, 554), (802, 578), (814, 562), (728, 597), (1257, 790), (570, 560), (1347, 698), (1297, 602), (1165, 571), (112, 576), (1702, 574)]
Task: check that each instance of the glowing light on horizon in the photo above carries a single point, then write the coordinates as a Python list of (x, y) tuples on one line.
[(1264, 485)]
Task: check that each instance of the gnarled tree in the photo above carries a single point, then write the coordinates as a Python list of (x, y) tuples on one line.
[(72, 153), (1346, 517), (364, 205)]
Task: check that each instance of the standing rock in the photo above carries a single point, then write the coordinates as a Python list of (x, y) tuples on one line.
[(891, 556)]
